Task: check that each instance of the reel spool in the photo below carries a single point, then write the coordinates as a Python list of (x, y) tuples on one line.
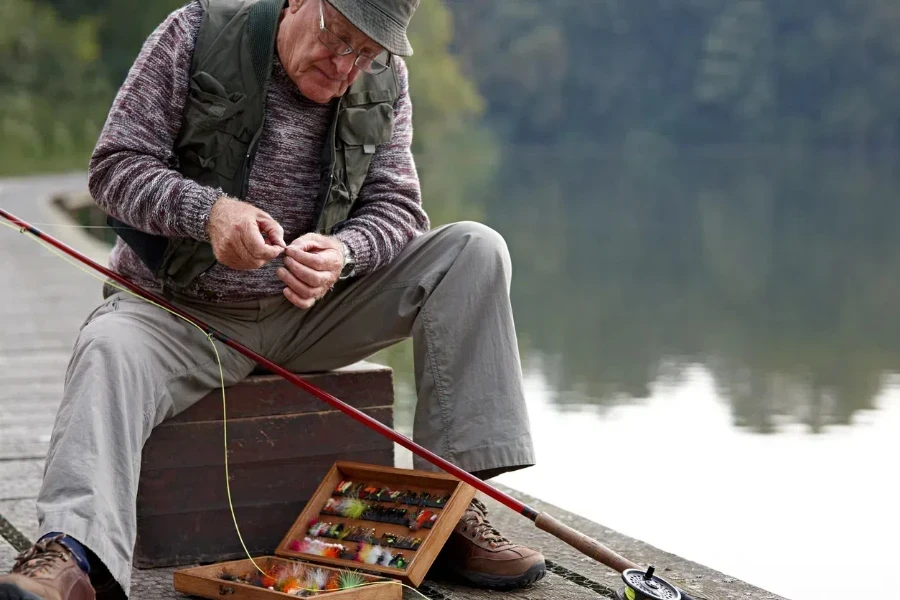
[(640, 585)]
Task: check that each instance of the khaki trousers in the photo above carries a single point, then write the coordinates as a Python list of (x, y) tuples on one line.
[(135, 365)]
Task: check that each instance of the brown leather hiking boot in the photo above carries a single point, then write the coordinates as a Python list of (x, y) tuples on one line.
[(46, 571), (479, 554)]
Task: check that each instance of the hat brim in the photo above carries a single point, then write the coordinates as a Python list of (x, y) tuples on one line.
[(387, 32)]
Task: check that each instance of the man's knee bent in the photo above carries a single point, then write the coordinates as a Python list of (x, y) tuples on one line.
[(486, 243)]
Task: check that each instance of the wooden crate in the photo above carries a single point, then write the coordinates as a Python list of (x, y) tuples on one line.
[(206, 581), (281, 443)]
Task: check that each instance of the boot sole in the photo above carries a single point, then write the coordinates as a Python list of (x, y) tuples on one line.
[(502, 582), (9, 591)]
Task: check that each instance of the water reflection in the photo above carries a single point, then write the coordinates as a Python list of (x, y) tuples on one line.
[(776, 272), (737, 313)]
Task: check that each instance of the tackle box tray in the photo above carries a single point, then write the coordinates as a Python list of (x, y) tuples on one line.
[(385, 523)]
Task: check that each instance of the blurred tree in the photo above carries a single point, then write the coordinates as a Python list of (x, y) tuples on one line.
[(52, 91), (122, 27), (805, 72), (455, 154)]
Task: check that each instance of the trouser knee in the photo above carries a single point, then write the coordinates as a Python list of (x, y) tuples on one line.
[(483, 248)]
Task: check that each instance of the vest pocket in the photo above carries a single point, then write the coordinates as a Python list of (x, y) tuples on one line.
[(213, 124), (361, 130), (336, 208)]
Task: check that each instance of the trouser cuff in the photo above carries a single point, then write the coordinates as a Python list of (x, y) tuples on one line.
[(496, 459), (93, 537)]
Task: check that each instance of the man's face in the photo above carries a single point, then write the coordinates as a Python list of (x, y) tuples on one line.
[(318, 72)]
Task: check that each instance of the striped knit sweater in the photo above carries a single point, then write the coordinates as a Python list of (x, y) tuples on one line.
[(129, 177)]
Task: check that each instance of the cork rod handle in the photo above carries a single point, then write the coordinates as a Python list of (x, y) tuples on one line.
[(583, 543)]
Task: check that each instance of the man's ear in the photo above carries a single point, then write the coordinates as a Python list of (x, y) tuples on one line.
[(295, 5)]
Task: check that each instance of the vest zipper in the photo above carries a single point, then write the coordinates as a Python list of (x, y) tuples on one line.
[(248, 161), (323, 201), (333, 136)]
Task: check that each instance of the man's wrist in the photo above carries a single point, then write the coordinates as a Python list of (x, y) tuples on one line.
[(347, 266)]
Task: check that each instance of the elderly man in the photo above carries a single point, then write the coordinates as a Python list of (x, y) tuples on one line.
[(257, 166)]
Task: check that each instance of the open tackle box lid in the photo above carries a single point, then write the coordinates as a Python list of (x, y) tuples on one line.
[(446, 501)]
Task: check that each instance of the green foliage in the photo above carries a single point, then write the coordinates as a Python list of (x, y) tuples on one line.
[(52, 93), (455, 154), (806, 72), (122, 26)]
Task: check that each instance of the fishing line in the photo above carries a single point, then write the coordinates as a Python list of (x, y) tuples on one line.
[(65, 225), (208, 336)]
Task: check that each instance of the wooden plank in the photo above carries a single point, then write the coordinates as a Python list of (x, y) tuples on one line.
[(181, 490), (7, 556), (25, 449), (22, 514), (250, 439), (21, 478), (270, 395)]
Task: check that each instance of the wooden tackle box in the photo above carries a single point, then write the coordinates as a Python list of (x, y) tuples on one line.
[(435, 515)]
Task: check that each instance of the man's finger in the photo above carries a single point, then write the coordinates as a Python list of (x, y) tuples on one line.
[(320, 260), (298, 287), (309, 276), (304, 303), (311, 242), (272, 231), (257, 248)]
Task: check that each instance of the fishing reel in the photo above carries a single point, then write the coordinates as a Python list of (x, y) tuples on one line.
[(641, 585)]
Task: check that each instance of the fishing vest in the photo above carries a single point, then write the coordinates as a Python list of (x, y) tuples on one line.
[(224, 117)]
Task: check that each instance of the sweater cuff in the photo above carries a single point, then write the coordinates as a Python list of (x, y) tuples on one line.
[(360, 248), (198, 202)]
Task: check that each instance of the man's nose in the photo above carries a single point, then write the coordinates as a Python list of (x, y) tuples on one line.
[(344, 64)]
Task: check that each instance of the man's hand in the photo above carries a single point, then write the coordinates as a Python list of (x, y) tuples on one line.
[(243, 236), (312, 264)]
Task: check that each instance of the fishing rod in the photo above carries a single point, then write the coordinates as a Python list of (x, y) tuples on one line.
[(640, 584)]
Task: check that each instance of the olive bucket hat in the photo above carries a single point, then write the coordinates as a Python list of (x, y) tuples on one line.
[(385, 21)]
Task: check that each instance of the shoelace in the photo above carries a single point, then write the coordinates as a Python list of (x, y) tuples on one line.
[(476, 520), (38, 557)]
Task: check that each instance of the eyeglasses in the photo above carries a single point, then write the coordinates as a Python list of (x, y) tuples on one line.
[(341, 48)]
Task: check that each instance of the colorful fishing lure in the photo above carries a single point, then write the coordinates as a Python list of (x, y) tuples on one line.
[(317, 548), (423, 518), (379, 555), (370, 553), (352, 508), (408, 543), (385, 494), (298, 580)]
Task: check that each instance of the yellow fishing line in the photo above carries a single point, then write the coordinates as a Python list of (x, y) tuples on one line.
[(212, 342)]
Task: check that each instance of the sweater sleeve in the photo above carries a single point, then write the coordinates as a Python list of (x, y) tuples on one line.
[(130, 174), (389, 211)]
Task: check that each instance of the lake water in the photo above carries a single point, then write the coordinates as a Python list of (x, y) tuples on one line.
[(727, 324)]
